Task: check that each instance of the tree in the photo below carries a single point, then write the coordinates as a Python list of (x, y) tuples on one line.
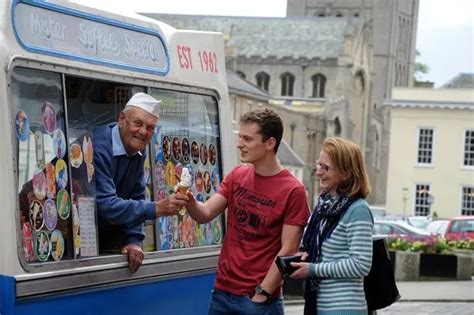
[(420, 68)]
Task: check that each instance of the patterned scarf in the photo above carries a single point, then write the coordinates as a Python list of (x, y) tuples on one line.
[(323, 221)]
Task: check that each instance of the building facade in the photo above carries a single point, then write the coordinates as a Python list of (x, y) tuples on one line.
[(431, 156), (394, 26), (327, 67)]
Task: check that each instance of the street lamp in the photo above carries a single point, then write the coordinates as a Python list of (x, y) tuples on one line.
[(405, 199)]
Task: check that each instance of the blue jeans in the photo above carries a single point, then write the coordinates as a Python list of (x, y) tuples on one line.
[(226, 303)]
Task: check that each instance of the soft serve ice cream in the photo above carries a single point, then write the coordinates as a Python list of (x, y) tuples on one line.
[(183, 185), (185, 179)]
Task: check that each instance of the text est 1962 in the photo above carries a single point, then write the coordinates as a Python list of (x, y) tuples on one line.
[(207, 59)]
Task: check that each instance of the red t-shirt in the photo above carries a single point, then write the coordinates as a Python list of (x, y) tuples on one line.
[(258, 206)]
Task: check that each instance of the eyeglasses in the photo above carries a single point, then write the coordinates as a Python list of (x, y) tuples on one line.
[(138, 123), (323, 167)]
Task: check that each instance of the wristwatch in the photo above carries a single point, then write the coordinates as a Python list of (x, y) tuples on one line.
[(260, 290)]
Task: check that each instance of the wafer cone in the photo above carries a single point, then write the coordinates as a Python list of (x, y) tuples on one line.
[(182, 190)]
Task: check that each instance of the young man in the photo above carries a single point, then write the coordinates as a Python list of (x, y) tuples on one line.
[(119, 155), (267, 211)]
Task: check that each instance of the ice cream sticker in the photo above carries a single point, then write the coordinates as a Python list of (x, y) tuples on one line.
[(39, 149), (22, 125), (59, 143), (48, 117), (203, 153), (147, 172), (57, 245), (185, 149), (207, 182), (166, 233), (215, 179), (50, 181), (170, 177), (212, 154), (39, 185), (36, 215), (198, 181), (159, 174), (195, 152), (209, 238), (42, 248), (217, 231), (75, 155), (75, 228), (61, 174), (63, 204), (166, 148), (27, 242), (176, 149), (50, 214), (88, 149), (90, 171)]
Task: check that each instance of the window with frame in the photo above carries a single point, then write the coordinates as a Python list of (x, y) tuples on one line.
[(287, 83), (422, 200), (467, 203), (263, 79), (319, 85), (425, 146), (56, 173), (468, 148)]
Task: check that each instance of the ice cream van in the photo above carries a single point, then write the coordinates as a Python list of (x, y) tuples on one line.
[(66, 69)]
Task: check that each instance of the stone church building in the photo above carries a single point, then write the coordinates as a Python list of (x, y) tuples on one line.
[(327, 66)]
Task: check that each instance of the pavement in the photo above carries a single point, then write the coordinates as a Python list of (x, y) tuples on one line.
[(420, 297)]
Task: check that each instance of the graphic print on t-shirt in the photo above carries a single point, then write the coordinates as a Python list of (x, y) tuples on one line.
[(254, 211)]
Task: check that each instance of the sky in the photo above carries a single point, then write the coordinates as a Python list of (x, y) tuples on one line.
[(445, 36)]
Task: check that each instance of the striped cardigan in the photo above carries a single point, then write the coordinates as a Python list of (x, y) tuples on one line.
[(346, 259)]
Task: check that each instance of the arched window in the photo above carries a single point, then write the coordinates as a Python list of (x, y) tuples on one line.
[(262, 79), (359, 83), (319, 85), (240, 74), (337, 127), (287, 82)]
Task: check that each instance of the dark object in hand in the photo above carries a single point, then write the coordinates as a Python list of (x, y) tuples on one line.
[(284, 264)]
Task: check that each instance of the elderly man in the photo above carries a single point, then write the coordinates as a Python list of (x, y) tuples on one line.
[(119, 155)]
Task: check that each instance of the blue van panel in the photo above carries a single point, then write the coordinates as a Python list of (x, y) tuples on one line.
[(188, 295)]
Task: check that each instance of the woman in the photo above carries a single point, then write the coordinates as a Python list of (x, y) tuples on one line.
[(338, 239)]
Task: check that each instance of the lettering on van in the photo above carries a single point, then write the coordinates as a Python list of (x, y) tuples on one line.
[(207, 59), (77, 36), (140, 49), (91, 38), (45, 27)]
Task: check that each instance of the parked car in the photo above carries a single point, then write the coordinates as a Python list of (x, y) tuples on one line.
[(399, 228), (460, 228), (378, 211), (437, 227), (420, 222)]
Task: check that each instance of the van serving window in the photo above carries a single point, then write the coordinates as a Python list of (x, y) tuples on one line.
[(56, 180)]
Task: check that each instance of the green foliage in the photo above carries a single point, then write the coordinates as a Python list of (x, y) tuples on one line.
[(420, 68)]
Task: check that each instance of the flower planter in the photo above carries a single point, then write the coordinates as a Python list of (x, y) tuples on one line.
[(438, 267), (414, 266), (406, 265), (466, 252)]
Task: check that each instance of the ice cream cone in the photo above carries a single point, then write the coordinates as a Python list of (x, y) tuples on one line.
[(182, 190)]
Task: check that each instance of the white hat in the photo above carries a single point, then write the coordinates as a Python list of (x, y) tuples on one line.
[(145, 102)]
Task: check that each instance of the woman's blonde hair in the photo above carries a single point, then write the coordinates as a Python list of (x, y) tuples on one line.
[(348, 160)]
